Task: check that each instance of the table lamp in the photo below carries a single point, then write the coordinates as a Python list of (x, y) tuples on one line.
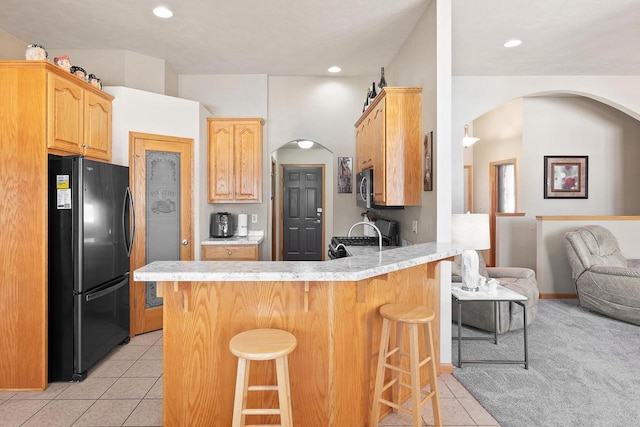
[(471, 233)]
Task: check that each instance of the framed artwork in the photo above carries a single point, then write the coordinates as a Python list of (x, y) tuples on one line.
[(566, 177), (345, 174), (428, 162)]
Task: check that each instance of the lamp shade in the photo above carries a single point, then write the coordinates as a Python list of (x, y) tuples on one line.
[(470, 231)]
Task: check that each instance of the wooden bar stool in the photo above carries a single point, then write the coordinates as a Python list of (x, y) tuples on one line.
[(412, 315), (262, 344)]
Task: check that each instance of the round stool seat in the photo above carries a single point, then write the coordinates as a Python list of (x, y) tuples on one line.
[(407, 313), (262, 344)]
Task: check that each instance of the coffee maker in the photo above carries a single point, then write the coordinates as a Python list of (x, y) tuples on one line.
[(221, 224)]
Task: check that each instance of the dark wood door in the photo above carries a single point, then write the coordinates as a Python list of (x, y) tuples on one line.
[(302, 218)]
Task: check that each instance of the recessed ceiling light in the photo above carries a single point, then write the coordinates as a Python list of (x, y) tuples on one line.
[(513, 43), (334, 69), (162, 12)]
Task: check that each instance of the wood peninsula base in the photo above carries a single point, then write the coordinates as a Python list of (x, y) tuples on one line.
[(332, 370)]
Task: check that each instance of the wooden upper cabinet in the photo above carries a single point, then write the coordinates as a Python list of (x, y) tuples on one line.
[(390, 132), (79, 119), (235, 160), (97, 127), (65, 114)]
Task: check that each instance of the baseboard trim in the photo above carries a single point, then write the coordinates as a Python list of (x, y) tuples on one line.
[(445, 368), (558, 296)]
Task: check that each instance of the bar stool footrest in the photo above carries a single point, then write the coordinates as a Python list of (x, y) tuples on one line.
[(258, 411), (262, 387)]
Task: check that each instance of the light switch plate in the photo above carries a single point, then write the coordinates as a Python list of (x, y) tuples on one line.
[(254, 218)]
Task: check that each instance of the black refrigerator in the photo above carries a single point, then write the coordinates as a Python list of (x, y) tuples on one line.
[(90, 241)]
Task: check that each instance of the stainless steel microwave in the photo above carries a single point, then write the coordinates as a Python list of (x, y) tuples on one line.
[(364, 191)]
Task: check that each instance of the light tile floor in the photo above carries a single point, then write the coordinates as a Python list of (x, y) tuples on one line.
[(125, 389)]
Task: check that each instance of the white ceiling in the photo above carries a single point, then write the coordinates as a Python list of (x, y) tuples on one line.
[(305, 37)]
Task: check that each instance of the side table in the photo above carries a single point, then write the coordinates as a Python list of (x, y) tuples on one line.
[(501, 294)]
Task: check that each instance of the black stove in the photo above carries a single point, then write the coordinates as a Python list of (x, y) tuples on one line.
[(389, 229), (360, 241)]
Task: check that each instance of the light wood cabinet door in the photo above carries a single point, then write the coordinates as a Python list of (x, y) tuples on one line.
[(97, 127), (378, 143), (235, 160), (220, 161), (248, 161), (230, 252), (65, 115), (364, 149)]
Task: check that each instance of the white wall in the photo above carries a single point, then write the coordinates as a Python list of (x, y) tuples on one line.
[(139, 111), (322, 109), (473, 96), (500, 133), (11, 47), (415, 65), (583, 127), (231, 96), (425, 61), (119, 67), (567, 125)]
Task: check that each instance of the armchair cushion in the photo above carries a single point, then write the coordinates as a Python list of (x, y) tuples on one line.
[(606, 282)]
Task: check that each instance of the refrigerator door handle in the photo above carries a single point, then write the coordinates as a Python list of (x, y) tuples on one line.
[(129, 197), (100, 294)]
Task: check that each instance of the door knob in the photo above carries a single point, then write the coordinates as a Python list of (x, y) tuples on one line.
[(185, 242)]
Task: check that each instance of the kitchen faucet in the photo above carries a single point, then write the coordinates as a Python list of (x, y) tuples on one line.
[(369, 224)]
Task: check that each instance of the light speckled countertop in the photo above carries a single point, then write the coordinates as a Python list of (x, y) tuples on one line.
[(351, 268), (254, 237)]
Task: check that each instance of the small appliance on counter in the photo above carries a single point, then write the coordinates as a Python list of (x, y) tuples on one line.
[(388, 229), (221, 224), (243, 228)]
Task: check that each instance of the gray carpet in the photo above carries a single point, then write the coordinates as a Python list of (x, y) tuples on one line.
[(584, 370)]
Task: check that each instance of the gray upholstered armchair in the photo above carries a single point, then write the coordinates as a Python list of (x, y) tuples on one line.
[(606, 282), (479, 314)]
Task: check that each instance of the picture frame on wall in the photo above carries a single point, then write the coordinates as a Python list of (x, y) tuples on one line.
[(566, 177), (428, 162), (345, 174)]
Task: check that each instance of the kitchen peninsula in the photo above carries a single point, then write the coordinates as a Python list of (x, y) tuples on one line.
[(331, 307)]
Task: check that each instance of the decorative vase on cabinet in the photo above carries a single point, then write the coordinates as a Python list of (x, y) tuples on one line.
[(235, 160)]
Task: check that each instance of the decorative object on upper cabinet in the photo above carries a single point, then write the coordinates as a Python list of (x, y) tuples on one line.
[(63, 62), (428, 162), (345, 174), (373, 91), (366, 100), (383, 81), (94, 81), (36, 52), (79, 72)]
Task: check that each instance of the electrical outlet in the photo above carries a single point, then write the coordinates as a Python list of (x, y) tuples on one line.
[(254, 218), (414, 226)]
